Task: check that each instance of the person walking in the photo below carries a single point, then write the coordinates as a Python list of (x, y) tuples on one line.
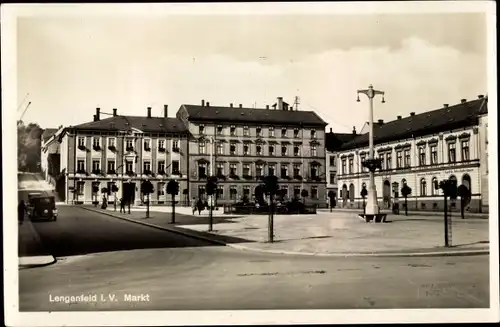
[(200, 206), (122, 205), (193, 205), (21, 210)]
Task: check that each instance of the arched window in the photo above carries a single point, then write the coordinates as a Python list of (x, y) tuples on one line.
[(351, 193), (343, 192), (453, 178), (433, 190), (466, 182), (423, 187)]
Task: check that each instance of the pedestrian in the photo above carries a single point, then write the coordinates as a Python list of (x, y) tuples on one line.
[(200, 206), (122, 205), (104, 202), (193, 204), (21, 210)]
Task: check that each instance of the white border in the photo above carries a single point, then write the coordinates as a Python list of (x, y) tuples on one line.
[(9, 14)]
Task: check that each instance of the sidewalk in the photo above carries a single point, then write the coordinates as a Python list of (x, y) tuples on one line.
[(31, 251), (328, 234), (414, 213)]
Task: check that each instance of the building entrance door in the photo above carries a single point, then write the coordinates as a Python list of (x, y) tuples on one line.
[(386, 193)]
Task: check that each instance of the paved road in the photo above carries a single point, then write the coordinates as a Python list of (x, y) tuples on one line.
[(213, 277)]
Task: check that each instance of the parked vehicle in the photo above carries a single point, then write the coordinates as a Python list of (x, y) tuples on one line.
[(41, 207)]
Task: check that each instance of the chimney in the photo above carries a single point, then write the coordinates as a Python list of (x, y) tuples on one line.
[(480, 96), (202, 103), (208, 104), (354, 130), (399, 117), (149, 112), (230, 105), (331, 130), (115, 112), (97, 114), (445, 105), (412, 114), (380, 121), (267, 106), (241, 106), (165, 110), (280, 103), (95, 118), (463, 101)]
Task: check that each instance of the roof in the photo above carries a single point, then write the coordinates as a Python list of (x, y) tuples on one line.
[(47, 133), (145, 124), (435, 121), (334, 141), (252, 115)]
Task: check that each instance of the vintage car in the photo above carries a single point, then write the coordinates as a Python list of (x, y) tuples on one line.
[(41, 206)]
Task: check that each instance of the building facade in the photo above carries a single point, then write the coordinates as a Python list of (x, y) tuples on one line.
[(448, 143), (241, 145), (125, 151)]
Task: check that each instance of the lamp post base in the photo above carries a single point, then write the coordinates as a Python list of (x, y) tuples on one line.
[(377, 218)]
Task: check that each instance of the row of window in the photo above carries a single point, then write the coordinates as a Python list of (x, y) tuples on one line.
[(403, 157), (96, 143), (259, 170), (233, 192), (259, 149), (258, 131), (129, 166)]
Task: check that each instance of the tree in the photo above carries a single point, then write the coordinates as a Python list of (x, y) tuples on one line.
[(304, 194), (363, 194), (271, 188), (173, 190), (147, 188), (114, 189), (331, 196), (465, 196), (211, 188), (29, 142), (405, 191)]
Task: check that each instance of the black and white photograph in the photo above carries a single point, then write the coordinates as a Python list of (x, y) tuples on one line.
[(250, 163)]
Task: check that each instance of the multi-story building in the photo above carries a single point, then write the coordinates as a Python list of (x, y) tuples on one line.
[(241, 145), (123, 150), (333, 142), (448, 143)]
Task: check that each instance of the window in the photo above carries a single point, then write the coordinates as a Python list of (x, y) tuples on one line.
[(388, 160), (271, 131), (80, 188), (220, 169), (271, 170), (129, 166), (161, 167), (219, 129), (201, 129), (96, 142), (80, 165), (407, 158), (296, 151), (421, 156), (362, 159), (313, 133), (246, 131), (201, 191), (296, 191), (232, 148), (465, 150), (146, 167), (423, 187), (284, 190), (246, 149), (161, 189), (111, 167), (314, 192), (382, 161), (246, 170), (81, 141), (284, 171), (399, 159), (232, 130), (271, 150), (246, 191), (332, 161), (202, 170), (351, 192), (283, 150), (161, 145), (332, 178), (351, 165), (314, 152), (147, 146), (452, 152), (433, 189), (232, 169), (175, 145), (344, 165), (111, 142), (96, 166), (130, 144), (202, 147), (220, 191), (258, 131), (259, 169), (175, 167), (296, 170), (283, 131), (232, 192), (220, 148), (258, 149), (314, 171), (295, 132), (434, 154)]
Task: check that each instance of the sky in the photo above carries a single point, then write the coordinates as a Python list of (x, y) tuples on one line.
[(69, 65)]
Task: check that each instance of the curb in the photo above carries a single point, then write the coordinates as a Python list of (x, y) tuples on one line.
[(184, 232), (36, 261)]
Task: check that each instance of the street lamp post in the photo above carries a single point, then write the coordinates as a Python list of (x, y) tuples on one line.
[(372, 164)]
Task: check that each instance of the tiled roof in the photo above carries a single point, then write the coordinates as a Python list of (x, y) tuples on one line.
[(457, 116), (145, 124), (48, 132), (334, 141), (252, 115)]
